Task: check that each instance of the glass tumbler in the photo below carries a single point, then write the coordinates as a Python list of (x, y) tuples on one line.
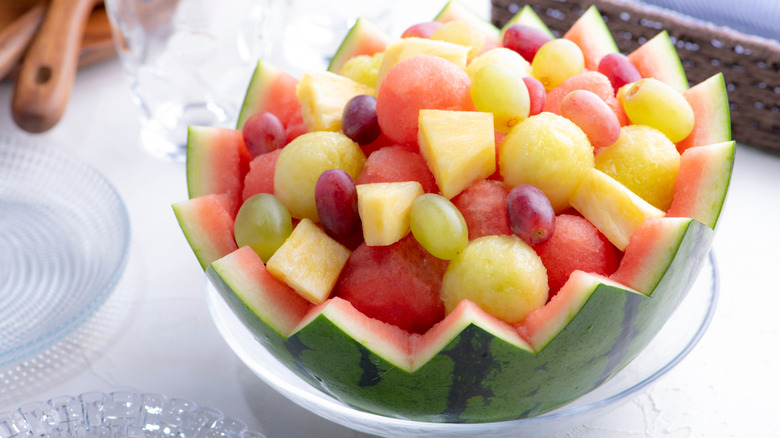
[(189, 62)]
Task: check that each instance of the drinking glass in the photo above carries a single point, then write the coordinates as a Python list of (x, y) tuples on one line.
[(188, 62)]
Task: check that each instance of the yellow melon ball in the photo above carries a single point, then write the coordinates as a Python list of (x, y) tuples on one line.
[(547, 151), (303, 160), (503, 56), (501, 274), (645, 161)]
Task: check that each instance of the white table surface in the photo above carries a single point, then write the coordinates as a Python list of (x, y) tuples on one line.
[(155, 333)]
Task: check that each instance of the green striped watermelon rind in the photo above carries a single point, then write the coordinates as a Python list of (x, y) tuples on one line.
[(526, 16), (592, 35), (494, 378), (364, 38), (455, 10), (264, 74), (657, 58)]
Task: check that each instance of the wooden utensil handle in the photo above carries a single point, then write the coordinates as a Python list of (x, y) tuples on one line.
[(15, 38), (49, 68)]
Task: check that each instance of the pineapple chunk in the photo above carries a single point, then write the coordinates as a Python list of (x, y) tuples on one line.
[(459, 147), (323, 95), (410, 47), (384, 210), (309, 261), (614, 209)]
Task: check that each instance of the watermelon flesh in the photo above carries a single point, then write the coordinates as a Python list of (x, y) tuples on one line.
[(217, 161), (591, 35), (364, 38), (272, 90), (207, 223), (657, 58), (710, 103)]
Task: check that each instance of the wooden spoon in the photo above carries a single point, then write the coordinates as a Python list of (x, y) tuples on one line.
[(49, 68)]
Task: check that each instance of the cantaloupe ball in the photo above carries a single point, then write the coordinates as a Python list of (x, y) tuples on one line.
[(421, 82)]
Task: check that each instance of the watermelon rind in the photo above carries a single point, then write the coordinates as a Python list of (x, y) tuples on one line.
[(217, 161), (263, 75), (705, 197), (591, 34), (477, 373), (207, 224), (527, 17), (710, 103), (657, 58), (455, 10), (363, 30)]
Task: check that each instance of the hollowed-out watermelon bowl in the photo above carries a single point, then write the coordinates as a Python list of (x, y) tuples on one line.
[(470, 368), (672, 344)]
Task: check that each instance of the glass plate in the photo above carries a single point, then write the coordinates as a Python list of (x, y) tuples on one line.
[(120, 414), (64, 237), (678, 337)]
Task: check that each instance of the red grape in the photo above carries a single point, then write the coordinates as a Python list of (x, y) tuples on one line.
[(536, 93), (530, 214), (335, 197), (525, 40), (263, 132), (619, 69), (422, 30), (359, 121)]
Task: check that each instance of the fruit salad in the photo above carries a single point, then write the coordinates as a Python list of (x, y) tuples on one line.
[(463, 223)]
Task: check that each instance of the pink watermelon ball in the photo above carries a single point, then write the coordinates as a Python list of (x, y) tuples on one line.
[(483, 206), (397, 284), (421, 82), (397, 164), (575, 245), (592, 81), (376, 145), (260, 178)]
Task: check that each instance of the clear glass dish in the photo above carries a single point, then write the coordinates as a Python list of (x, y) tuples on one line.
[(64, 238), (677, 338), (120, 414)]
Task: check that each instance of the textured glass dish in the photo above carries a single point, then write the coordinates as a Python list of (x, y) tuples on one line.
[(120, 414), (677, 338), (64, 237)]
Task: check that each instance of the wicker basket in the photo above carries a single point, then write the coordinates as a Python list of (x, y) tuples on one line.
[(750, 65)]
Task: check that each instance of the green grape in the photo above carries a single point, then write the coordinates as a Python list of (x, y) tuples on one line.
[(653, 103), (497, 89), (263, 223), (556, 61), (438, 226)]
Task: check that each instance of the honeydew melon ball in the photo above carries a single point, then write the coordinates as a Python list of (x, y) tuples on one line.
[(502, 56), (644, 160), (420, 82), (549, 152), (502, 274), (303, 160), (363, 68)]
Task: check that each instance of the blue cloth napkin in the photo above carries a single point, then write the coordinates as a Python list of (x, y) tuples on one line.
[(753, 17)]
